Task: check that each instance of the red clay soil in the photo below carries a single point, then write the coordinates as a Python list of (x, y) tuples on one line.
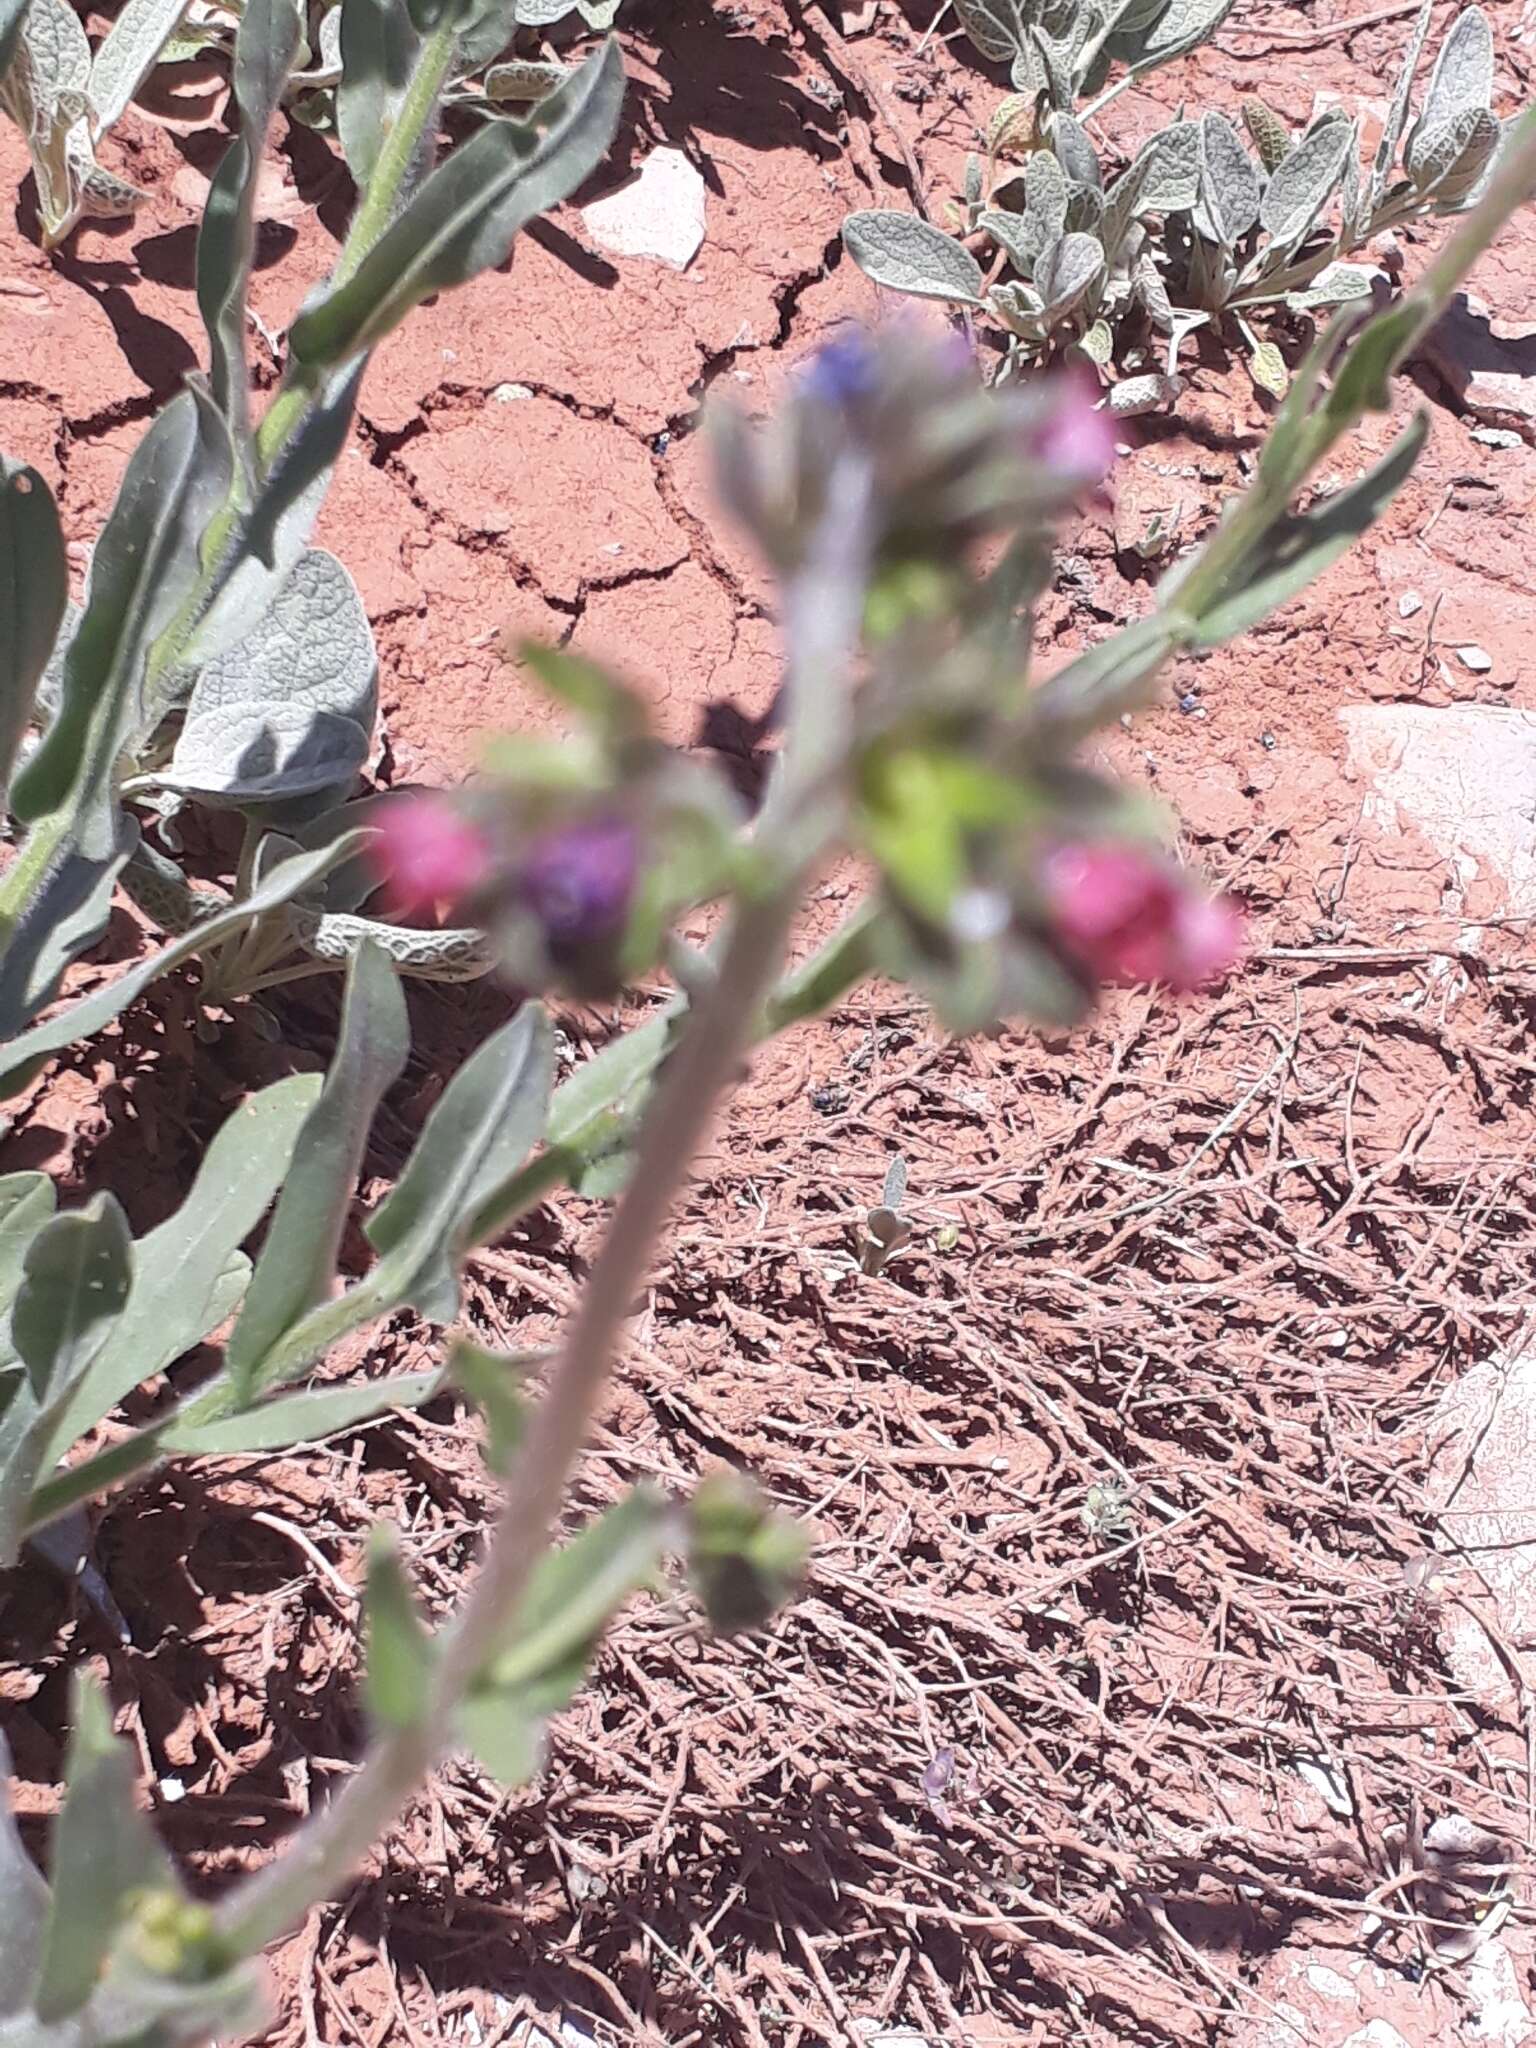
[(1000, 1776)]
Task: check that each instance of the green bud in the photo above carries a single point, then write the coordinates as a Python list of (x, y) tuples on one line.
[(744, 1561)]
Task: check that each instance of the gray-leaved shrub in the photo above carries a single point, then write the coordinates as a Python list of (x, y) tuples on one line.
[(1208, 225)]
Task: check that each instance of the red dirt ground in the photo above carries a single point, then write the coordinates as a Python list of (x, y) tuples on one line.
[(1227, 1252)]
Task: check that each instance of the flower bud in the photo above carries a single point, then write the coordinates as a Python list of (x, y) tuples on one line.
[(429, 852), (1075, 438), (578, 882), (1124, 913)]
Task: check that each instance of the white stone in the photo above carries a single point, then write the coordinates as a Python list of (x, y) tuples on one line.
[(658, 214), (1464, 775), (1478, 659), (1499, 2012), (1486, 1425)]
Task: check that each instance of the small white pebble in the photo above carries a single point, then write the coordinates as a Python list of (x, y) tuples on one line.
[(1409, 603), (504, 394), (1478, 659)]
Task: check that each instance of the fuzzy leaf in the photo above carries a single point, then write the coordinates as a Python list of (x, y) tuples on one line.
[(1267, 368), (1045, 192), (298, 1260), (63, 916), (302, 1418), (290, 710), (1079, 158), (467, 214), (1133, 396), (190, 1273), (906, 254), (34, 589), (379, 48), (75, 1280), (265, 46), (524, 82), (103, 1852), (1098, 344), (993, 26), (1019, 233), (45, 89), (23, 1906), (1462, 80), (573, 1595), (493, 1381), (27, 1201), (1066, 273), (1271, 137), (1123, 201), (88, 1015), (397, 1678), (484, 1125), (1464, 183), (1230, 186), (1171, 179), (1454, 154), (1019, 309), (11, 12), (1397, 110), (1300, 548), (128, 53), (1335, 286), (1304, 183)]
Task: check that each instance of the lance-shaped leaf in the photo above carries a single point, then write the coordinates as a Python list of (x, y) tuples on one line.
[(574, 1594), (1335, 286), (34, 589), (1462, 80), (103, 1852), (493, 1381), (1472, 171), (23, 1909), (1067, 273), (1271, 137), (1397, 110), (44, 89), (289, 710), (1304, 183), (302, 1418), (380, 45), (298, 1261), (1079, 158), (905, 253), (128, 53), (1297, 550), (65, 909), (465, 217), (27, 1200), (143, 569), (265, 46), (1182, 26), (1019, 233), (397, 1676), (75, 1279), (484, 1125), (994, 26), (1451, 159), (1045, 193), (190, 1273), (291, 879), (1230, 185)]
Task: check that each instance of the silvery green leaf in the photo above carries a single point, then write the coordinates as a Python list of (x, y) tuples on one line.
[(1079, 158), (1397, 111), (1472, 173), (128, 53), (379, 49), (289, 710), (293, 878), (1304, 183), (1267, 368), (1230, 185), (1271, 137), (1122, 202), (1014, 125), (1151, 393), (189, 1274), (1066, 273), (23, 1902), (1019, 233), (1298, 549), (1055, 68), (146, 563), (102, 194), (44, 90), (467, 214), (491, 1115), (104, 1850), (451, 953), (1352, 219), (64, 915), (1098, 343), (1181, 26), (1335, 286), (1147, 280), (1026, 74), (301, 1418), (1462, 80), (1045, 187), (1019, 309), (265, 44), (34, 589), (993, 26), (276, 523), (27, 1201), (398, 1671), (1085, 210), (524, 81), (1169, 164), (297, 1265), (1131, 16), (1449, 161), (906, 254)]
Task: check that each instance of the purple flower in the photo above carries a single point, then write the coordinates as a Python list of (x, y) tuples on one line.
[(843, 372), (579, 880)]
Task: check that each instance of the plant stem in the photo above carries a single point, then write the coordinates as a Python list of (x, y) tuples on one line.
[(330, 1847)]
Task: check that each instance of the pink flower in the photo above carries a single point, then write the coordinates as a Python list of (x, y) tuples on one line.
[(429, 852), (1075, 438), (1125, 913)]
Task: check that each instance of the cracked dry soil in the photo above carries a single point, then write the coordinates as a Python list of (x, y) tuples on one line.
[(1225, 1254)]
